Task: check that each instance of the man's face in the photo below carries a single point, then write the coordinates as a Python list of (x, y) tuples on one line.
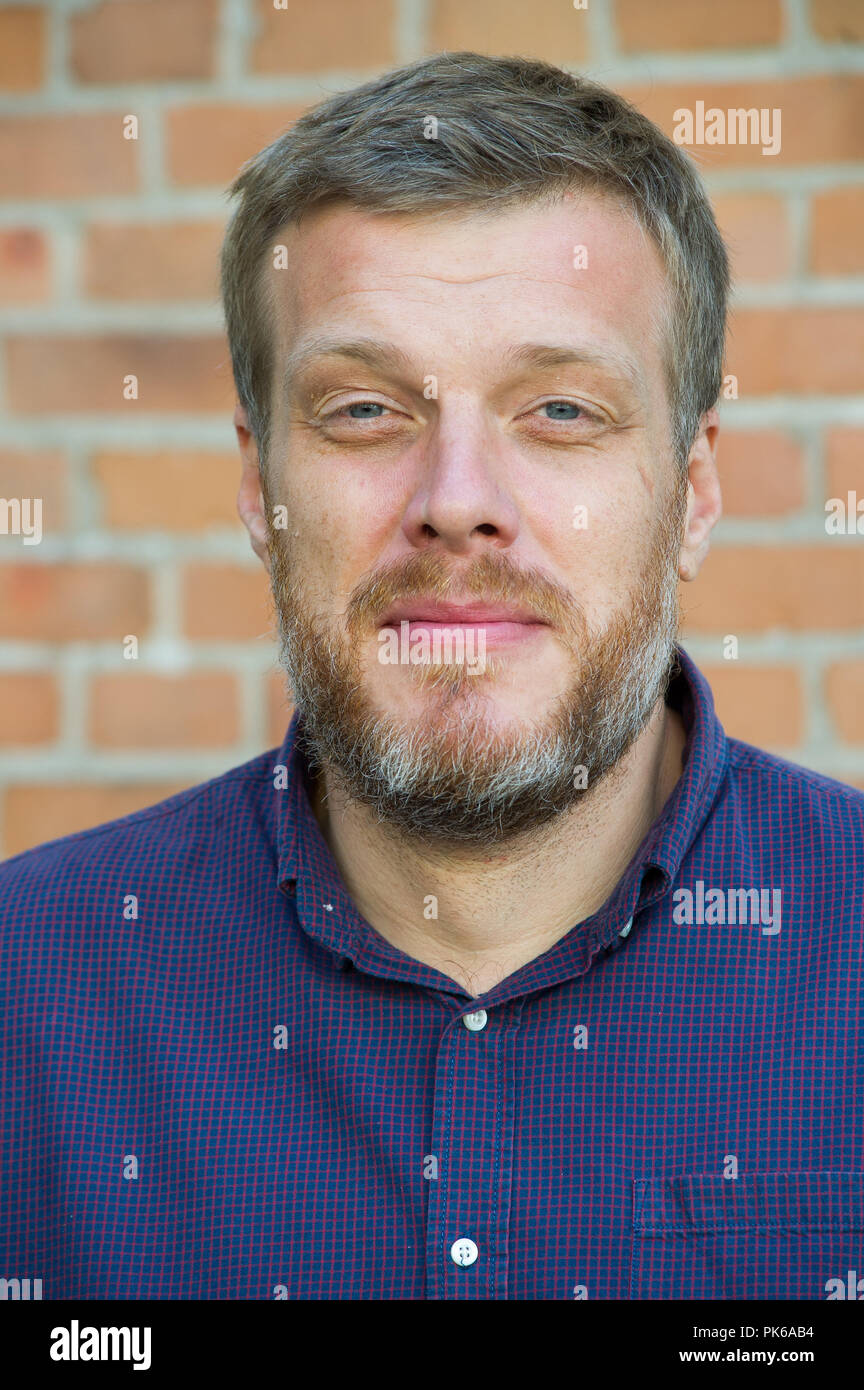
[(495, 463)]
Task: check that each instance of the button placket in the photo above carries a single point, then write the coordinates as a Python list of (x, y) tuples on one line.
[(468, 1211)]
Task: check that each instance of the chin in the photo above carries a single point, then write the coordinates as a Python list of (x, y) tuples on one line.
[(478, 704)]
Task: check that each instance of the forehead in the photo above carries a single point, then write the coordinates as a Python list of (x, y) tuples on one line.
[(448, 274)]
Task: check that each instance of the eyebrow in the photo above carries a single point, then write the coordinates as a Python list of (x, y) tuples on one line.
[(541, 355), (377, 354), (370, 351)]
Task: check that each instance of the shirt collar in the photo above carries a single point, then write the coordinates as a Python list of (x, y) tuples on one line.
[(657, 862), (705, 758), (306, 868)]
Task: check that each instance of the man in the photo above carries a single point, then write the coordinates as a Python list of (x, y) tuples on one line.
[(508, 975)]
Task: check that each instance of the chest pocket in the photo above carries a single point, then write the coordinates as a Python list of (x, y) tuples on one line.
[(761, 1235)]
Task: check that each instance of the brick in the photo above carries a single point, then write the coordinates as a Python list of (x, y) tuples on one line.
[(544, 29), (805, 351), (143, 40), (761, 473), (760, 704), (279, 708), (789, 587), (227, 603), (755, 227), (328, 36), (71, 155), (206, 145), (842, 20), (844, 460), (77, 372), (25, 270), (147, 261), (69, 602), (142, 710), (34, 813), (844, 692), (837, 232), (23, 31), (168, 491), (820, 117), (37, 473), (679, 25), (29, 708)]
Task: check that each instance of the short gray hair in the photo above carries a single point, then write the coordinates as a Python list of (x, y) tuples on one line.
[(510, 131)]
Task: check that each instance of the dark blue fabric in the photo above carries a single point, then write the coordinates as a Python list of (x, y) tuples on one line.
[(245, 1092)]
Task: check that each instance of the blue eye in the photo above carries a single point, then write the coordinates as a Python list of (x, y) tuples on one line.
[(364, 407), (560, 406)]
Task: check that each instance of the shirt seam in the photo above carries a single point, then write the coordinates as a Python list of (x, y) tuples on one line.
[(746, 754)]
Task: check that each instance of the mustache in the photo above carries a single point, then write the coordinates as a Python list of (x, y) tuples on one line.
[(491, 577)]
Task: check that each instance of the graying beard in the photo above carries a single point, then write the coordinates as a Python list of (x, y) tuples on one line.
[(401, 773)]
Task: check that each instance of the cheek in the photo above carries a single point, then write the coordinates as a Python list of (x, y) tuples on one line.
[(596, 541), (333, 549), (351, 494), (349, 524)]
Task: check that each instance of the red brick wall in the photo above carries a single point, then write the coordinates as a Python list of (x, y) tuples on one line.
[(108, 256)]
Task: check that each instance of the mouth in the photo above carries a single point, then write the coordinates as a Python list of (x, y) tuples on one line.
[(500, 623)]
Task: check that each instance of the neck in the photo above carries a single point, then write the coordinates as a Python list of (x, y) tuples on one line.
[(499, 908)]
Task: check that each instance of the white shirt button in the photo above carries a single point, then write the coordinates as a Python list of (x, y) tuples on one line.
[(463, 1252), (626, 930), (474, 1022)]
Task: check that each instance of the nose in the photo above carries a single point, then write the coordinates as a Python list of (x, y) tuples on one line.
[(461, 500)]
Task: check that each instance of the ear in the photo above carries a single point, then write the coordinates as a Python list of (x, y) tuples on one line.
[(704, 503), (250, 498)]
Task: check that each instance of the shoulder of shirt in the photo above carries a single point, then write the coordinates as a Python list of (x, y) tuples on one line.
[(164, 819), (820, 794)]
